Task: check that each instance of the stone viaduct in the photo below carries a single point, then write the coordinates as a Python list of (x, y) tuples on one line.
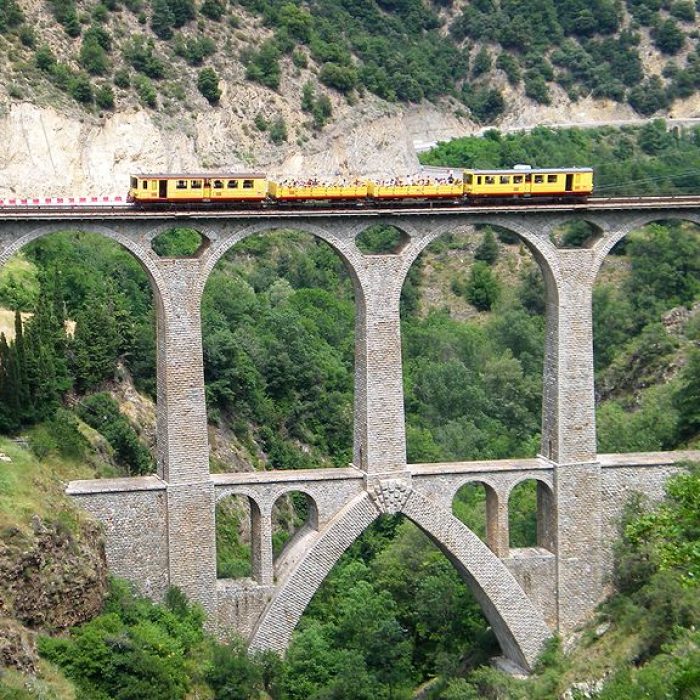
[(160, 529)]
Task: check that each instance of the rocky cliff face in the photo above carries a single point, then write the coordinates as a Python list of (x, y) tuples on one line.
[(50, 579), (44, 152)]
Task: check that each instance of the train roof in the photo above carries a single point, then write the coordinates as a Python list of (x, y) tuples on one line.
[(521, 171), (187, 176)]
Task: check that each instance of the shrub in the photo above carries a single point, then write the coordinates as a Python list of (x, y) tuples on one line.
[(104, 97), (11, 15), (509, 65), (482, 289), (45, 60), (27, 36), (668, 37), (485, 104), (649, 97), (140, 54), (263, 66), (213, 9), (208, 85), (487, 250), (93, 57), (101, 412), (278, 130), (81, 89), (162, 19), (146, 92), (482, 63), (121, 78), (342, 78)]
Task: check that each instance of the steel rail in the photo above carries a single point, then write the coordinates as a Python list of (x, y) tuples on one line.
[(107, 212)]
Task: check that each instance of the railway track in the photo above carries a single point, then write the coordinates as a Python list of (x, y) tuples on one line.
[(114, 210)]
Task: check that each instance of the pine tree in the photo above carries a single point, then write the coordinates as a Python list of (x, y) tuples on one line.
[(162, 19), (488, 248), (96, 344)]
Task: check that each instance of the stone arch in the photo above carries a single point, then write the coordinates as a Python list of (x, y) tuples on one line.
[(519, 627), (545, 509), (544, 251), (492, 507), (259, 532), (142, 255), (311, 522), (643, 218), (222, 243)]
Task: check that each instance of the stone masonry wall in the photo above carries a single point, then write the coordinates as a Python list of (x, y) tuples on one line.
[(134, 515)]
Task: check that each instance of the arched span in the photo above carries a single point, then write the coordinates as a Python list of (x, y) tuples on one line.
[(643, 218), (221, 244), (147, 261), (546, 481), (542, 249), (519, 627)]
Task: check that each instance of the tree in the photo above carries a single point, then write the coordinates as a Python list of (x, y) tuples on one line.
[(208, 84), (213, 9), (668, 37), (95, 344), (687, 398), (487, 251), (482, 289), (162, 19), (482, 62)]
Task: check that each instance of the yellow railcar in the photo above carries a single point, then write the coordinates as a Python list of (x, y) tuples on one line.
[(529, 182), (198, 187), (300, 192), (429, 190)]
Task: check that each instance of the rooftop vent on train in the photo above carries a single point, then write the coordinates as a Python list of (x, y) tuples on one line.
[(522, 166)]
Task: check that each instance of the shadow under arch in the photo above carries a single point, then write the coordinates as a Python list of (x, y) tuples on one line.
[(519, 627), (604, 245)]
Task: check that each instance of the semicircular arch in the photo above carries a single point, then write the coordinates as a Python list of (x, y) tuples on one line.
[(147, 262), (607, 243), (346, 251)]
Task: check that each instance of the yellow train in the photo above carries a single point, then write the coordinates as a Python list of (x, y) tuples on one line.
[(470, 186)]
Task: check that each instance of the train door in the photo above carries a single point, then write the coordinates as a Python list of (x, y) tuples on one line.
[(569, 187), (206, 192), (162, 188)]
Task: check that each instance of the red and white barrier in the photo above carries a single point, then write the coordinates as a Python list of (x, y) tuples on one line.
[(68, 202)]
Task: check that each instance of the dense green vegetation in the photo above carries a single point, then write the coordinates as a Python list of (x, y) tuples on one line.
[(400, 50), (376, 628), (278, 339), (644, 160)]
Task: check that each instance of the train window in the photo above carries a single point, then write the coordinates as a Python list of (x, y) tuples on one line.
[(489, 180), (517, 179), (181, 185), (218, 184), (196, 184), (144, 185), (247, 184), (504, 179), (539, 179), (468, 179), (551, 178), (233, 184), (478, 180), (134, 183)]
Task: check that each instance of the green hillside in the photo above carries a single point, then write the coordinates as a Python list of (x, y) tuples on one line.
[(113, 54), (278, 339)]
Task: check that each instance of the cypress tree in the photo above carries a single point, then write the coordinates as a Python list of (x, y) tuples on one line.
[(96, 344), (21, 373)]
